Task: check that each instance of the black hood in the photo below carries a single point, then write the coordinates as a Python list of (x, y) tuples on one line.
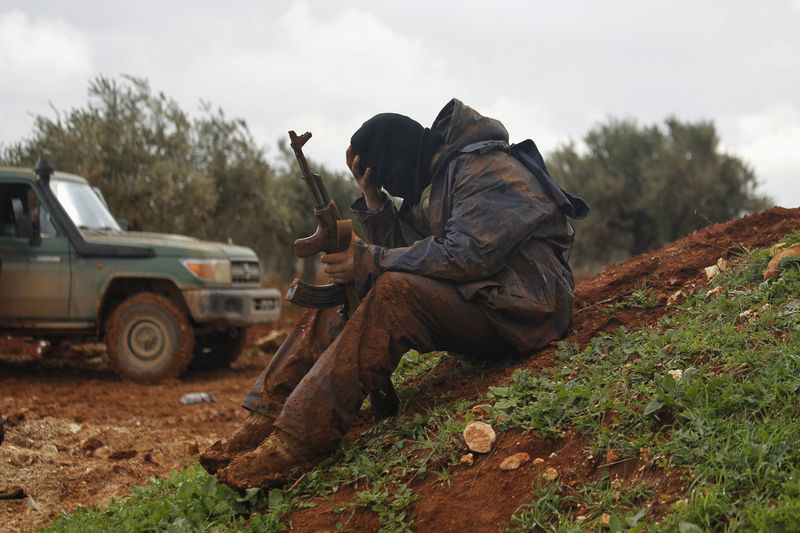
[(399, 151)]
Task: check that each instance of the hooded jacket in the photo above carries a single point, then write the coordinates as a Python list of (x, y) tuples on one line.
[(496, 234)]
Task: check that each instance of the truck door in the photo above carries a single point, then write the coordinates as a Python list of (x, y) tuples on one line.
[(35, 281)]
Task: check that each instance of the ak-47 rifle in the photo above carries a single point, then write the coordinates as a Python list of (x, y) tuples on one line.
[(332, 235)]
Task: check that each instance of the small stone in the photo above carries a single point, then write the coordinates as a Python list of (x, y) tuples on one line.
[(480, 411), (49, 450), (191, 448), (31, 504), (605, 519), (91, 443), (774, 267), (467, 459), (716, 290), (479, 437), (550, 474), (512, 462), (674, 297), (711, 271), (156, 457), (611, 456), (103, 452), (553, 455), (538, 461)]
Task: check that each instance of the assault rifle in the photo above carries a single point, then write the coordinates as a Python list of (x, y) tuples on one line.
[(332, 235)]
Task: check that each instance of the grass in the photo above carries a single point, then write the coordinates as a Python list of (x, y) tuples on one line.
[(710, 392)]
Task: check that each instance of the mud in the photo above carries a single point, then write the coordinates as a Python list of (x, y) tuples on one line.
[(77, 435)]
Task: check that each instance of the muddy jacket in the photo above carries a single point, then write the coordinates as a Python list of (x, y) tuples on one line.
[(496, 234)]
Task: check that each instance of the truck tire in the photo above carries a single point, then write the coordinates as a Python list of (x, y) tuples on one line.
[(149, 338), (217, 350)]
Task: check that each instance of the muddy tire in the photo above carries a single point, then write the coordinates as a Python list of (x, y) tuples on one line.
[(149, 338), (217, 350)]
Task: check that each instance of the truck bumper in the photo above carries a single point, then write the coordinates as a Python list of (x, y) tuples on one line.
[(243, 307)]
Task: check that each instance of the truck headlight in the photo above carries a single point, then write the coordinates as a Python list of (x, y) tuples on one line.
[(216, 270)]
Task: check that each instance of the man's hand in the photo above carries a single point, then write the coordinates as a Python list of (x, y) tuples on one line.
[(371, 193), (341, 265)]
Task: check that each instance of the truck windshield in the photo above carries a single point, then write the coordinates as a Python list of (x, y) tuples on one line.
[(83, 206)]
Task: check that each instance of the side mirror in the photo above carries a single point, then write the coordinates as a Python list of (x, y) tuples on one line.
[(26, 226)]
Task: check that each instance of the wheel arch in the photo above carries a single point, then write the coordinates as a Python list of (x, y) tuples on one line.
[(121, 288)]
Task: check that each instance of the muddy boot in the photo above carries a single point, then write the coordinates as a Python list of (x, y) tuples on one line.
[(250, 434), (268, 465)]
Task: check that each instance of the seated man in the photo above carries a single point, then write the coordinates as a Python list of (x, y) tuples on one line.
[(472, 262)]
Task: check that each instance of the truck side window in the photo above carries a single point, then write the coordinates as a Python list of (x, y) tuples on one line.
[(11, 208), (19, 208)]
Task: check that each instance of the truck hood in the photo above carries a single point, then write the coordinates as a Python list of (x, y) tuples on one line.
[(166, 244)]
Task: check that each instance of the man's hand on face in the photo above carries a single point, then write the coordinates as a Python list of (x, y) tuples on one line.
[(371, 193), (340, 266)]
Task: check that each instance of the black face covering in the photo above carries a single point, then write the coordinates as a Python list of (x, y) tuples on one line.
[(399, 151)]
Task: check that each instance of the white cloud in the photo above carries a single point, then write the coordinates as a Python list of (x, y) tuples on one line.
[(39, 59), (35, 55), (310, 72), (770, 141)]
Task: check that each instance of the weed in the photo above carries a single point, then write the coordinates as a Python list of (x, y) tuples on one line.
[(641, 298)]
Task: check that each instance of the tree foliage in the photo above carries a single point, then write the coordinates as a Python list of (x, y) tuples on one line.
[(204, 176), (163, 171), (650, 185)]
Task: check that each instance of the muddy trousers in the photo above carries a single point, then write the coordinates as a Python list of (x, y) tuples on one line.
[(317, 380)]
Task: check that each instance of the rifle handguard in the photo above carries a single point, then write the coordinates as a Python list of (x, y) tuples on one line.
[(332, 234)]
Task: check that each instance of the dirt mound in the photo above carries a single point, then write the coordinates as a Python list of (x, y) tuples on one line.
[(76, 435)]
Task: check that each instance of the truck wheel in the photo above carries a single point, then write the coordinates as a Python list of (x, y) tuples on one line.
[(149, 338), (219, 349)]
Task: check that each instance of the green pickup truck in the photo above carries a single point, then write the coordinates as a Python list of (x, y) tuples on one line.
[(158, 301)]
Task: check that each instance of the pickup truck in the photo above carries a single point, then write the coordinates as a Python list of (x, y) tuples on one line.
[(159, 302)]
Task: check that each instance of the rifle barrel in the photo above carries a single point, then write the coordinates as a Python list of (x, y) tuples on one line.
[(314, 182)]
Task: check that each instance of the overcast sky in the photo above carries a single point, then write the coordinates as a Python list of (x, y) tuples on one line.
[(548, 70)]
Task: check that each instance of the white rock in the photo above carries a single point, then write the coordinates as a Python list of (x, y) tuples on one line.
[(512, 462), (716, 290), (550, 474), (674, 297), (49, 450), (712, 271), (479, 437)]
